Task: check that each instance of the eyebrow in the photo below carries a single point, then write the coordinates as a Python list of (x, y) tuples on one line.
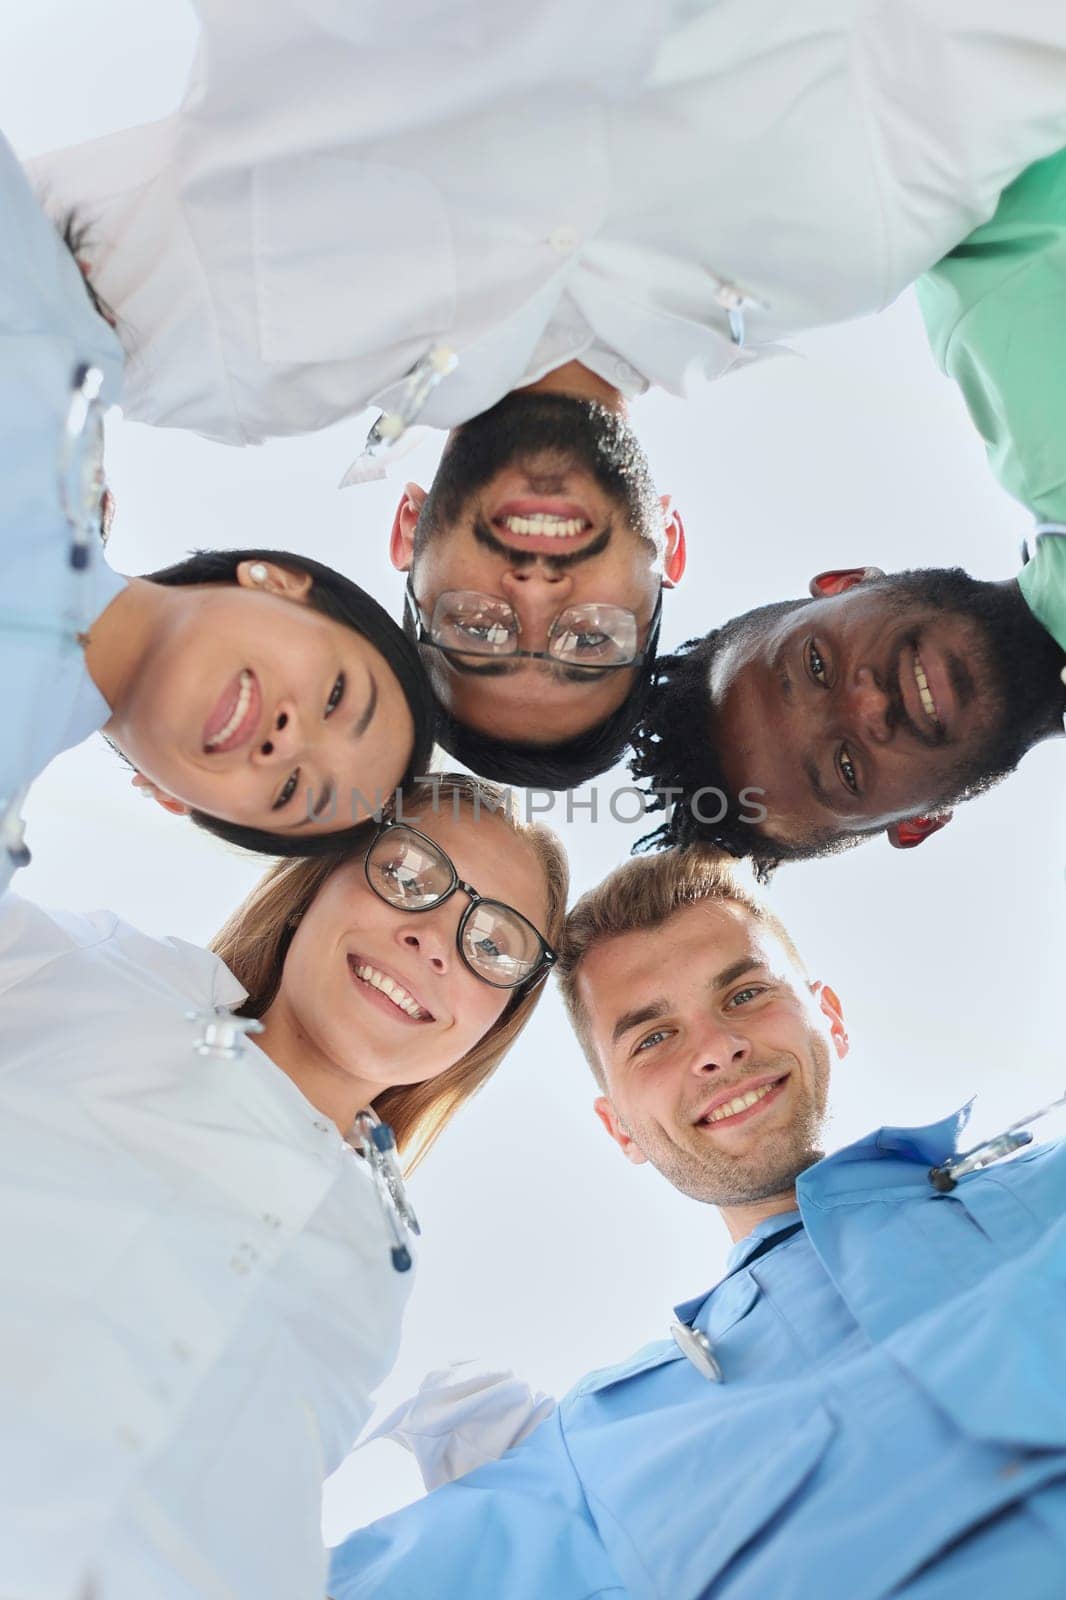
[(363, 722), (490, 669), (503, 669), (659, 1008)]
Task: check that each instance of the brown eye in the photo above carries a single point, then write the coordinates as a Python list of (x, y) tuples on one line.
[(816, 664), (288, 790), (847, 770), (336, 695)]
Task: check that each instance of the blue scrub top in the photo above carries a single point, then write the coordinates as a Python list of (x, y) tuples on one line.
[(49, 333), (892, 1418)]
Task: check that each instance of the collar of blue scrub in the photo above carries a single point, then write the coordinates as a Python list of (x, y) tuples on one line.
[(762, 1238), (888, 1157)]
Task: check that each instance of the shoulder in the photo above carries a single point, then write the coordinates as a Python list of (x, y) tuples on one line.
[(646, 1359), (33, 939)]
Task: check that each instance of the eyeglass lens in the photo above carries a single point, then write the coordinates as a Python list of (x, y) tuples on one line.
[(412, 874), (591, 634)]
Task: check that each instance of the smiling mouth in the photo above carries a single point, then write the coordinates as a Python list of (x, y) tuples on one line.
[(925, 694), (543, 523), (741, 1105), (393, 994), (235, 715)]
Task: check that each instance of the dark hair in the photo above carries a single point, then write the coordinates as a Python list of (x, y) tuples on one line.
[(343, 601), (672, 750), (75, 235)]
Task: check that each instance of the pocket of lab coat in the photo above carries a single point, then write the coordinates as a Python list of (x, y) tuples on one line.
[(350, 257)]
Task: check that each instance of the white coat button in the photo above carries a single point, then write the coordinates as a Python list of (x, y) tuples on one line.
[(563, 239)]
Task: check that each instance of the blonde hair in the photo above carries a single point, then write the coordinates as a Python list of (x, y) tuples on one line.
[(639, 897), (256, 938)]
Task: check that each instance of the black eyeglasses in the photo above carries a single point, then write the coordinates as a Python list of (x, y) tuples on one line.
[(592, 637), (498, 944)]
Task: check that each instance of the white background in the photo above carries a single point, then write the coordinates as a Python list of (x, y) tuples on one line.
[(543, 1250)]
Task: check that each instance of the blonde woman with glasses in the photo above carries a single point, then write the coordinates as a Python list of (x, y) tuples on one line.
[(205, 1241)]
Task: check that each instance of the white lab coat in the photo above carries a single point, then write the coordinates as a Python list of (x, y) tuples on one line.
[(526, 183), (195, 1274), (49, 333)]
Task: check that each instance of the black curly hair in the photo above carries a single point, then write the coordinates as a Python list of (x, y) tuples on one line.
[(677, 765)]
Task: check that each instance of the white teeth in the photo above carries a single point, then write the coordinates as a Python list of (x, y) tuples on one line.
[(545, 524), (237, 718), (928, 703), (741, 1103), (388, 986)]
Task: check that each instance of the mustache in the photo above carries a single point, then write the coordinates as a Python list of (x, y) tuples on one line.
[(485, 537)]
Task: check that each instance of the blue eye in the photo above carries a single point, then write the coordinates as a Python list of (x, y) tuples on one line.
[(651, 1039), (739, 996)]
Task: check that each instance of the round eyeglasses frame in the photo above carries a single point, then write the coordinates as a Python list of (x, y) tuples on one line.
[(547, 957), (424, 636)]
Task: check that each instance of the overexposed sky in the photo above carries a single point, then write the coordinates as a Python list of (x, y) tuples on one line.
[(543, 1249)]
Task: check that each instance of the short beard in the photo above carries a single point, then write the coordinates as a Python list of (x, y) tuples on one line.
[(555, 433), (768, 1171)]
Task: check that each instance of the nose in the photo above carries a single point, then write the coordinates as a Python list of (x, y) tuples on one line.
[(717, 1046), (868, 704), (429, 937), (282, 742), (537, 595)]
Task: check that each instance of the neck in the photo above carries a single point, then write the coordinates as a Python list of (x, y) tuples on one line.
[(334, 1090), (741, 1219), (1044, 662), (121, 637), (574, 379)]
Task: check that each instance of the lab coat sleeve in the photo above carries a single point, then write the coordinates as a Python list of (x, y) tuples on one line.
[(462, 1417), (995, 311), (31, 937), (518, 1528)]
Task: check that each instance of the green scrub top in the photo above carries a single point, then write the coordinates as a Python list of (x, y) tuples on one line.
[(995, 312)]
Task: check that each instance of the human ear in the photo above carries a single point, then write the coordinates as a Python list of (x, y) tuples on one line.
[(831, 1008), (268, 578), (402, 536), (607, 1115), (824, 585), (915, 830), (145, 787), (676, 555)]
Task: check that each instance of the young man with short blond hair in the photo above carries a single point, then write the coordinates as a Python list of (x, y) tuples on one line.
[(867, 1404)]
